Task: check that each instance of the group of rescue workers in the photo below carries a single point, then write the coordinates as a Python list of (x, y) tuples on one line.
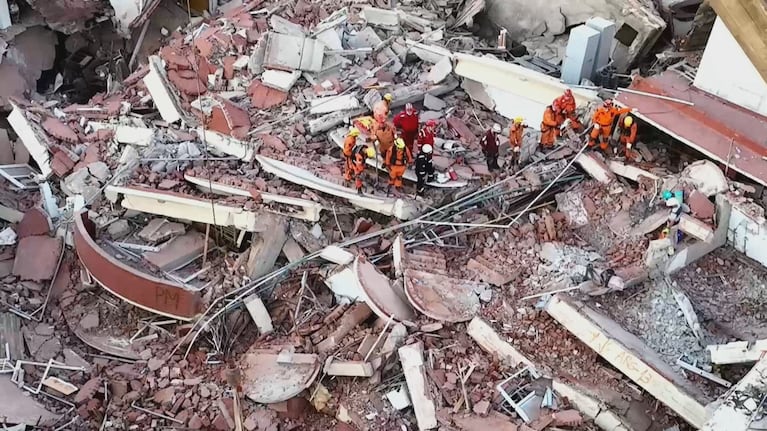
[(561, 115), (398, 140)]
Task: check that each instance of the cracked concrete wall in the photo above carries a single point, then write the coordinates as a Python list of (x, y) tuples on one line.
[(68, 16), (524, 19)]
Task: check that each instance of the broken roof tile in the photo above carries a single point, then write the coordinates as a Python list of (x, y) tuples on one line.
[(229, 66), (264, 97), (230, 119), (189, 85), (54, 127), (61, 164)]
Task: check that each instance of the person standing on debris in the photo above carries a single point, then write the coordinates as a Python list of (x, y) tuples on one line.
[(407, 124), (628, 135), (424, 168), (516, 134), (489, 144), (565, 106), (360, 153), (396, 161), (382, 108), (349, 143), (383, 132), (602, 124), (426, 136), (549, 127)]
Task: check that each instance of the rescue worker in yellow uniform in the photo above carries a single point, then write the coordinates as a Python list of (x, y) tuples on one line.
[(396, 161)]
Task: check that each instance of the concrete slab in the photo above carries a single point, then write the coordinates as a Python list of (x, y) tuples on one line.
[(259, 313), (737, 409), (631, 356), (178, 252), (267, 380), (161, 229), (17, 407), (37, 258), (411, 357)]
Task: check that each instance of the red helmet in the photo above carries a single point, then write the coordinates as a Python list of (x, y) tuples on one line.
[(431, 123), (409, 108)]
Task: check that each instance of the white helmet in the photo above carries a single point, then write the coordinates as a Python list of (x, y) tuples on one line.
[(496, 128), (426, 149)]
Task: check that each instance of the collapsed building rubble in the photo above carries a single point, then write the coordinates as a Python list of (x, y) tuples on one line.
[(184, 248)]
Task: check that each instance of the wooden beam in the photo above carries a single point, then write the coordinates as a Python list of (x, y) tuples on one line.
[(747, 21)]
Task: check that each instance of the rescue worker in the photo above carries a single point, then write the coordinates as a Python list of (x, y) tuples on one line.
[(602, 124), (382, 108), (426, 135), (424, 168), (349, 143), (407, 124), (384, 134), (516, 134), (628, 135), (489, 144), (396, 161), (549, 127), (565, 106), (360, 153)]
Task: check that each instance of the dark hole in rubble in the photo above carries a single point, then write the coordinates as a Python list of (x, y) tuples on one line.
[(626, 34)]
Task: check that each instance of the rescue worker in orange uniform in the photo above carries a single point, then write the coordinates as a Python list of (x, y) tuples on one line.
[(426, 136), (549, 127), (565, 106), (396, 161), (384, 134), (628, 135), (349, 143), (516, 133), (360, 153), (602, 124), (407, 124), (382, 107)]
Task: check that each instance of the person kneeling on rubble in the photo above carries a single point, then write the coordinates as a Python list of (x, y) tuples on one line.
[(396, 161), (602, 124), (360, 153), (489, 145), (628, 135), (349, 143), (424, 168), (516, 133)]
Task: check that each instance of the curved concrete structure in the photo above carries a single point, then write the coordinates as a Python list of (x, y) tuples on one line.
[(133, 286)]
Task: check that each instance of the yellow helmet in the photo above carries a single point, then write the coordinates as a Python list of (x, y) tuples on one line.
[(353, 131), (388, 97), (370, 152), (628, 121), (399, 143), (518, 120)]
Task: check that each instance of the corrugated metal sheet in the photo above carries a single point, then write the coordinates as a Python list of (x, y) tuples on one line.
[(721, 130)]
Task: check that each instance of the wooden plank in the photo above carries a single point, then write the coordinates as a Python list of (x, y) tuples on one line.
[(411, 357), (628, 354), (490, 342), (747, 21)]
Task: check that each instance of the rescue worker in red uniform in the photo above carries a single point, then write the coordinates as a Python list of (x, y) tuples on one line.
[(396, 161), (628, 135), (407, 124), (549, 127), (382, 107), (426, 136), (565, 106), (349, 143), (489, 144), (602, 124), (516, 134), (360, 153)]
